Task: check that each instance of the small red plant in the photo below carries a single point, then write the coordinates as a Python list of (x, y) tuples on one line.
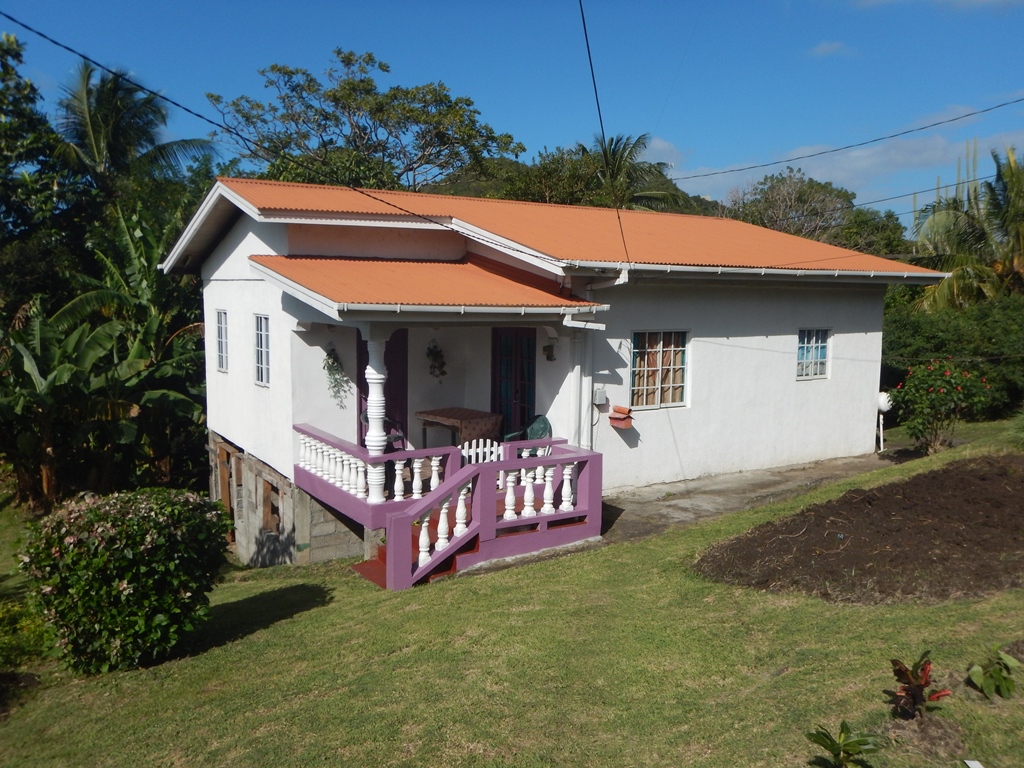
[(912, 697)]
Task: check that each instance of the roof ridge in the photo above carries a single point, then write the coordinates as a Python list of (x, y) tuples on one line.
[(438, 196)]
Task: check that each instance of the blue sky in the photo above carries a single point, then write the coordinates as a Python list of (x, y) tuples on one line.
[(717, 85)]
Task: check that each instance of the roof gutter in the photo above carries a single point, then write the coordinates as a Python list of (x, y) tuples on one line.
[(469, 310), (669, 269)]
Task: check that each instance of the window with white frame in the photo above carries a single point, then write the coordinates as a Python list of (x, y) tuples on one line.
[(263, 350), (659, 369), (222, 340), (812, 354)]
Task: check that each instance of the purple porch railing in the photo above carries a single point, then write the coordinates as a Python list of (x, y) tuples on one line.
[(520, 504)]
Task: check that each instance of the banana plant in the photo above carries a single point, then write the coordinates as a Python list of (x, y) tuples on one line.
[(52, 385)]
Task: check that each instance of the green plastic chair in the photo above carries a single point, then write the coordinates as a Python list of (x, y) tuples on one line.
[(539, 428)]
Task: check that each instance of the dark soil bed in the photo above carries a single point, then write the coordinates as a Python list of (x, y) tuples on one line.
[(954, 532)]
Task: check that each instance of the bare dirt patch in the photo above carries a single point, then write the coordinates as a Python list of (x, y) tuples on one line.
[(954, 532)]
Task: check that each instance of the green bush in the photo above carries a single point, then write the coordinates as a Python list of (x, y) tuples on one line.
[(934, 397), (21, 634), (987, 338), (120, 579)]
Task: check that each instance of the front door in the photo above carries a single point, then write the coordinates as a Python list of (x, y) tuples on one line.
[(396, 386), (514, 375)]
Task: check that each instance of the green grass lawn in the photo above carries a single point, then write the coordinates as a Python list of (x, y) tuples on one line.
[(618, 656)]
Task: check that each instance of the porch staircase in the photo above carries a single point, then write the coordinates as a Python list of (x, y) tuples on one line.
[(375, 570), (532, 496)]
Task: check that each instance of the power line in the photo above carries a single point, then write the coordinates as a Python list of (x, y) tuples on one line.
[(320, 173), (288, 158), (853, 146), (600, 121)]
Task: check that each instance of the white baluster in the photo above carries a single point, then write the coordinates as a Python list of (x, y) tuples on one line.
[(318, 459), (460, 511), (350, 473), (330, 464), (566, 505), (549, 490), (529, 507), (345, 480), (398, 492), (425, 539), (510, 496), (435, 472), (360, 479), (442, 527), (302, 452), (417, 478), (336, 467)]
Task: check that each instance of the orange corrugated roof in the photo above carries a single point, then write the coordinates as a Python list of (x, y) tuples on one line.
[(471, 282), (578, 233)]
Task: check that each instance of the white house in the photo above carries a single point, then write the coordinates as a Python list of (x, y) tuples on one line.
[(344, 327)]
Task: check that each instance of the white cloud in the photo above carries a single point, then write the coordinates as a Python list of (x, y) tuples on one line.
[(661, 151), (889, 168), (831, 48)]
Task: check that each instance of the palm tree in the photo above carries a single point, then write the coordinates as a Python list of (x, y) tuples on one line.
[(112, 128), (1004, 212), (625, 177), (976, 234)]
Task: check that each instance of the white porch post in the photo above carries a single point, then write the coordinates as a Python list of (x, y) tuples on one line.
[(376, 439)]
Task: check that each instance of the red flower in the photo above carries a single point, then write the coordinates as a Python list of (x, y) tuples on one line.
[(943, 391), (958, 389), (947, 372), (899, 386)]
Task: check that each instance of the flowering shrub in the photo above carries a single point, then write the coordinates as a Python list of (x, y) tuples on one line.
[(119, 580), (934, 397)]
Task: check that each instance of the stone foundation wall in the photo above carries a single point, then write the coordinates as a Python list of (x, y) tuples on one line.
[(275, 522)]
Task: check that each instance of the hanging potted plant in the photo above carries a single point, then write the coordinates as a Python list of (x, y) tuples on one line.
[(438, 367)]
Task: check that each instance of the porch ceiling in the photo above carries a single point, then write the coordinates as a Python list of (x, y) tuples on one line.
[(471, 284)]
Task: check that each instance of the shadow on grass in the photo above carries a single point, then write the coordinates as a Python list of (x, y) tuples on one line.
[(233, 621)]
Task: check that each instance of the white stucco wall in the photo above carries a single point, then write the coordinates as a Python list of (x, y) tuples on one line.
[(252, 416), (745, 408)]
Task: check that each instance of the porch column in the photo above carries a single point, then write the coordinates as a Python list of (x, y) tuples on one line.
[(376, 439)]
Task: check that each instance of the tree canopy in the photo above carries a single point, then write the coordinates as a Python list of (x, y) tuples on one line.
[(792, 202), (348, 131)]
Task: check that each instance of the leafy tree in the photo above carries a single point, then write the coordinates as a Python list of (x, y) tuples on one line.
[(793, 203), (607, 174), (790, 202), (26, 140), (347, 131), (870, 231), (40, 212), (562, 176), (112, 128)]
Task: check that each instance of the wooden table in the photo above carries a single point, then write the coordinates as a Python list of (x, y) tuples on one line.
[(464, 424)]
